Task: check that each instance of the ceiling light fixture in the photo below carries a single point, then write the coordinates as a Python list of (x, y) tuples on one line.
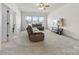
[(43, 6)]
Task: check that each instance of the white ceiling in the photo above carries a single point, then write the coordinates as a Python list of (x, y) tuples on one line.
[(31, 7)]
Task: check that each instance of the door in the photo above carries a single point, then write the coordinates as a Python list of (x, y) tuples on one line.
[(5, 23), (8, 24), (14, 22)]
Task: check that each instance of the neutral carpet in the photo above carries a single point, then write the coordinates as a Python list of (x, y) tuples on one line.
[(53, 44)]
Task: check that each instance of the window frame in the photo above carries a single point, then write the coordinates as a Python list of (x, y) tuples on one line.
[(31, 21)]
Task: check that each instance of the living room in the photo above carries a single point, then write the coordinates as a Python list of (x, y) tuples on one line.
[(40, 28)]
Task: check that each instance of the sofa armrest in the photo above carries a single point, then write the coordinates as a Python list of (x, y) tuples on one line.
[(38, 33)]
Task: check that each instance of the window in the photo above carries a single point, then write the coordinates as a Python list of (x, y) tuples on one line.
[(28, 19), (41, 19), (35, 19)]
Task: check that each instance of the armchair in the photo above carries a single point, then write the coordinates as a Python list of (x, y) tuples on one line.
[(34, 37)]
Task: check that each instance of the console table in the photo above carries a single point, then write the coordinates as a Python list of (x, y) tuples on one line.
[(58, 30)]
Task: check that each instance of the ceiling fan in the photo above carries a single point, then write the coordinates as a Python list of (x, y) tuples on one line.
[(43, 6)]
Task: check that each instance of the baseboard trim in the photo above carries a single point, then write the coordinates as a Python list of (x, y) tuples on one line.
[(69, 36)]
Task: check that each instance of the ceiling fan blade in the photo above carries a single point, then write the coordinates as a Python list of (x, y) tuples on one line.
[(47, 6)]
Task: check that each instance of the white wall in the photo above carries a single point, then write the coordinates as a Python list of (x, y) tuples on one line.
[(24, 23), (70, 14), (13, 7)]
